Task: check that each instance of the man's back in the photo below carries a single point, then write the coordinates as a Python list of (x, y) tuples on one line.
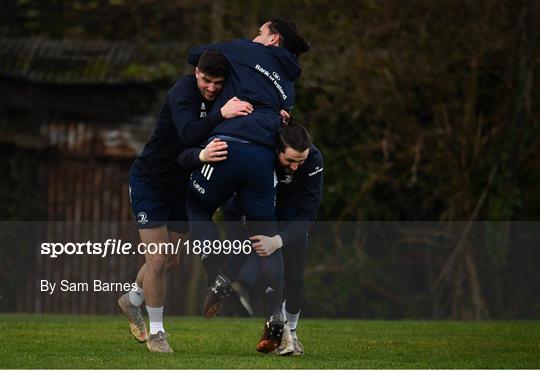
[(261, 75)]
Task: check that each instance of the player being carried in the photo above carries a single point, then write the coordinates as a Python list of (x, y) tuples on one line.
[(263, 72)]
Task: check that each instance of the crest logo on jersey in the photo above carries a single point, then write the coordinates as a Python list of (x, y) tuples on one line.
[(287, 180), (203, 110), (142, 218), (276, 76)]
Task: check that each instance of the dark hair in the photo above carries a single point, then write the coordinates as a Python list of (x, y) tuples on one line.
[(295, 136), (290, 38), (213, 63)]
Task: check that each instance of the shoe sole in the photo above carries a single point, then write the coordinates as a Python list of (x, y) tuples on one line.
[(157, 351), (124, 312), (287, 353)]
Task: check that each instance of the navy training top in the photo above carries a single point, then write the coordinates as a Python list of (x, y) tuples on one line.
[(262, 75), (183, 122), (299, 197)]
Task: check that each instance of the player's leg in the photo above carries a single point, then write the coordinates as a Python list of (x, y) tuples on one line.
[(257, 201), (178, 227), (210, 187), (174, 257), (148, 279), (294, 256), (203, 229), (172, 261), (155, 287), (130, 302), (158, 265), (234, 223), (151, 209), (143, 203), (271, 269)]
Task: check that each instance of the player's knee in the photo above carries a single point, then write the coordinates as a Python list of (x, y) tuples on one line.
[(157, 264)]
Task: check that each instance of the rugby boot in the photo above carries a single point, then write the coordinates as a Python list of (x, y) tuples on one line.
[(214, 296), (286, 348), (273, 333), (137, 327), (157, 343), (297, 345)]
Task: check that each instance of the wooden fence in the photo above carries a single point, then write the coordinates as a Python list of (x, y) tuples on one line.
[(87, 195)]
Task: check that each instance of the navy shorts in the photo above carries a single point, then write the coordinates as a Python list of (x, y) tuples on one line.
[(155, 206), (249, 171)]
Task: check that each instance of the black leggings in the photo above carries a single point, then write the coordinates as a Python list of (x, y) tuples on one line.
[(294, 257)]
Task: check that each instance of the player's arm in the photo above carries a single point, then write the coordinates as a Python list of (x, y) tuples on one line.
[(185, 113), (191, 128), (310, 194), (214, 151)]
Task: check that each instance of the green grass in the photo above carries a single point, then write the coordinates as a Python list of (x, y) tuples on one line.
[(31, 341)]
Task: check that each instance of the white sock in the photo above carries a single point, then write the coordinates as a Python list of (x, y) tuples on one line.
[(156, 319), (283, 311), (136, 295), (292, 319)]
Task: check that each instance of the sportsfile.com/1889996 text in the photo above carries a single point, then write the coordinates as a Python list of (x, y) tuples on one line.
[(118, 247)]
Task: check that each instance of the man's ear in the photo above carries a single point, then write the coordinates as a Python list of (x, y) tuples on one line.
[(197, 71), (276, 40)]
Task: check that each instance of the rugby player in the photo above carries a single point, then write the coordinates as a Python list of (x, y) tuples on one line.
[(158, 185), (299, 192), (263, 72)]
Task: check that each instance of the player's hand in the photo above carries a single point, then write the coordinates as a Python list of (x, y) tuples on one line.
[(264, 245), (236, 107), (214, 151), (285, 117)]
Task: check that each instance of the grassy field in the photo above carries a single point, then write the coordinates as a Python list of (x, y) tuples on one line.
[(31, 341)]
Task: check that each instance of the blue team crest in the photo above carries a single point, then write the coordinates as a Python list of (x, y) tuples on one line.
[(142, 218)]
